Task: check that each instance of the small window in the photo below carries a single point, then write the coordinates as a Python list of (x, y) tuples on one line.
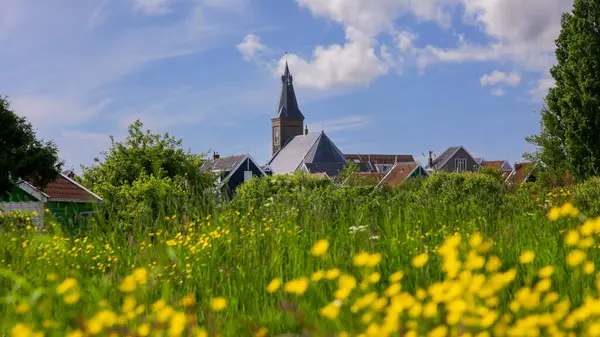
[(247, 175), (356, 161), (475, 167), (461, 164)]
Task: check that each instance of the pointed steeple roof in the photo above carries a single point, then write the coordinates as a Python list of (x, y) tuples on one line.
[(288, 105)]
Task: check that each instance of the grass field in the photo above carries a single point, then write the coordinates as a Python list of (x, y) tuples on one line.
[(347, 268)]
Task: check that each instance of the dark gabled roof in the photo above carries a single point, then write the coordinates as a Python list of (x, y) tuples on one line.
[(324, 151), (310, 148), (222, 164), (331, 169), (444, 157), (288, 104)]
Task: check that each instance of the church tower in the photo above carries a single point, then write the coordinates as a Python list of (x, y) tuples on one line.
[(289, 121)]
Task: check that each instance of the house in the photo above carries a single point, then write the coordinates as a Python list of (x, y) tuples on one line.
[(400, 172), (454, 159), (25, 197), (293, 147), (65, 198), (379, 162), (232, 171), (522, 172), (502, 165)]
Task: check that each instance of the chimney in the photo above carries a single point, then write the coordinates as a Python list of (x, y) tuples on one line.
[(306, 130), (215, 155), (430, 162)]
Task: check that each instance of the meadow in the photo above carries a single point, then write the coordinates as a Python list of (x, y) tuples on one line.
[(454, 255)]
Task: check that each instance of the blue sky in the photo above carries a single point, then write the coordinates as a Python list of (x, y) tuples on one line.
[(379, 76)]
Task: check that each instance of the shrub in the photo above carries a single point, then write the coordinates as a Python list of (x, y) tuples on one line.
[(586, 196)]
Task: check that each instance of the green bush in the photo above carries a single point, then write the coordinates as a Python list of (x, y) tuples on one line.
[(586, 196)]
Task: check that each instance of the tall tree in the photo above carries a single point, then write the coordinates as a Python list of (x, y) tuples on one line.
[(139, 174), (22, 155), (570, 123)]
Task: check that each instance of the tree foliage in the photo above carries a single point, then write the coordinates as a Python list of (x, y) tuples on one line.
[(22, 155), (145, 171), (570, 125)]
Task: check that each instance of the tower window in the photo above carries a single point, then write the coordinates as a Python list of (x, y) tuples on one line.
[(276, 132)]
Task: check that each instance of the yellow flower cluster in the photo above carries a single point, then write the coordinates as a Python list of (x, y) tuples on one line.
[(467, 301)]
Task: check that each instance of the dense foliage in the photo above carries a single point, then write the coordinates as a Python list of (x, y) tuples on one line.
[(570, 124), (23, 155), (145, 176)]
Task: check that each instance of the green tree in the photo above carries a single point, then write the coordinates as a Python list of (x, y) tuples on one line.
[(144, 173), (570, 125), (23, 156)]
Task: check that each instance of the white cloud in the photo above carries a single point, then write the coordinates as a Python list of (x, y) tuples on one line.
[(250, 46), (498, 92), (335, 66), (405, 41), (356, 61), (497, 77), (152, 7)]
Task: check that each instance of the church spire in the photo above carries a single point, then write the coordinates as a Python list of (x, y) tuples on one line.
[(288, 105)]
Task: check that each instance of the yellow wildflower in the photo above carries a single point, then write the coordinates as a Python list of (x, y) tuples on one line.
[(297, 286), (546, 271), (397, 276), (72, 298), (188, 301), (589, 268), (317, 276), (144, 330), (373, 260), (21, 330), (320, 248), (218, 303), (78, 333), (128, 284), (361, 259), (22, 308), (527, 257), (140, 275), (274, 285), (177, 324), (575, 258), (262, 332), (420, 260), (66, 285), (374, 277), (330, 311), (332, 273), (572, 238)]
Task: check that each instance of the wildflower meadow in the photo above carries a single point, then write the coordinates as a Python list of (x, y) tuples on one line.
[(455, 255)]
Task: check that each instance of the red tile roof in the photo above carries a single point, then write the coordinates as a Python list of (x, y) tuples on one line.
[(496, 164), (399, 173), (65, 189), (521, 172)]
